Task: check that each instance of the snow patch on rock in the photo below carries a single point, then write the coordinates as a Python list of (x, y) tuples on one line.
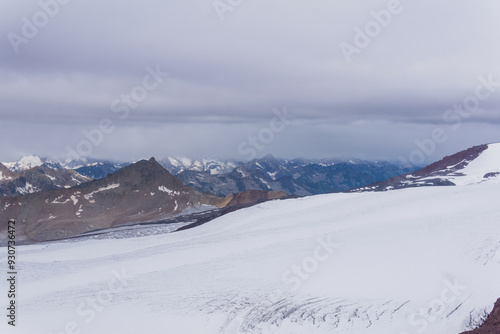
[(168, 191), (89, 196)]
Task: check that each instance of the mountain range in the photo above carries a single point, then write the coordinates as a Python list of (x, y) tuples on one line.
[(141, 192), (37, 179), (55, 203), (295, 177), (300, 177), (55, 200)]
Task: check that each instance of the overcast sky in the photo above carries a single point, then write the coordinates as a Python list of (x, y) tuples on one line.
[(355, 86)]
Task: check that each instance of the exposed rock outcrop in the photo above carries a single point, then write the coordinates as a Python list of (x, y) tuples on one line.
[(492, 323), (251, 196)]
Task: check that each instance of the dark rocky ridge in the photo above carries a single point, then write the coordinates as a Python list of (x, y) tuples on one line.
[(430, 175)]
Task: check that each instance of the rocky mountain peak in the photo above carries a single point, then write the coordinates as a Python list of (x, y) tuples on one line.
[(145, 173)]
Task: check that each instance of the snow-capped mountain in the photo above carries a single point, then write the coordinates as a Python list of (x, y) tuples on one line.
[(100, 169), (95, 169), (37, 179), (295, 177), (477, 164), (417, 260), (211, 166), (25, 163)]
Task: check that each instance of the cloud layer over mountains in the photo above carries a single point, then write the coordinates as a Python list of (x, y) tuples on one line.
[(409, 63)]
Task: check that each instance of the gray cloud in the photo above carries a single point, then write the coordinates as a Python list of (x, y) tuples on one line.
[(227, 76)]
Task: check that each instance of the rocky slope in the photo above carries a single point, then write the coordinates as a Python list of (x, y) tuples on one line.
[(492, 323), (251, 197)]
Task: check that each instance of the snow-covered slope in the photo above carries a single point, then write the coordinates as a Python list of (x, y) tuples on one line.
[(478, 164), (485, 168), (419, 260)]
